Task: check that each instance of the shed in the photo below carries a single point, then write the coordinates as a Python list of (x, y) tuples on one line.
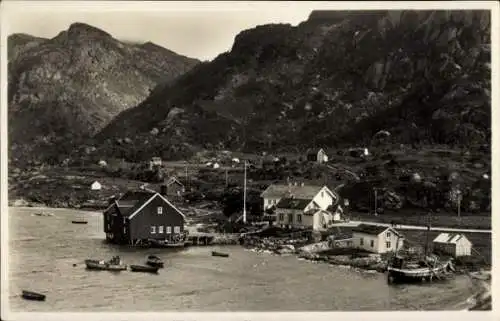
[(96, 186), (453, 244)]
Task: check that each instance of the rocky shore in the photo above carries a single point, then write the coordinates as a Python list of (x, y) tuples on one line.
[(316, 252)]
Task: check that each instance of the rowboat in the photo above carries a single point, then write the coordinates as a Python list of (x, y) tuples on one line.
[(142, 268), (214, 253), (79, 222), (111, 265), (154, 261), (29, 295)]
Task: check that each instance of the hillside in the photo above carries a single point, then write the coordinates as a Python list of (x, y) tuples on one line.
[(65, 89), (335, 80)]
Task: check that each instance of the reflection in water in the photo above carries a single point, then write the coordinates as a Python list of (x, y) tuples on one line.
[(47, 254)]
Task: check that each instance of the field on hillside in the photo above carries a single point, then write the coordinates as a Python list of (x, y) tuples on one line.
[(353, 177)]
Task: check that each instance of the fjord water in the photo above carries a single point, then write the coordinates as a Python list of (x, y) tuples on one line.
[(42, 251)]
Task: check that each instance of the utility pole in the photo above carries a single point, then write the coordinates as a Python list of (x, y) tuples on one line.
[(375, 191), (245, 195), (459, 203), (226, 178), (186, 172), (427, 233)]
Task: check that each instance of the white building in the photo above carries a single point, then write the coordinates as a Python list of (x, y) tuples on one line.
[(453, 244), (96, 186), (320, 156), (376, 239), (322, 195), (301, 205)]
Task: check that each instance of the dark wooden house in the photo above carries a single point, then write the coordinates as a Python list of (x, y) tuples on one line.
[(174, 188), (141, 217)]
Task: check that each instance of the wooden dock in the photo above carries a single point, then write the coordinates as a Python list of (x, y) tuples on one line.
[(204, 239)]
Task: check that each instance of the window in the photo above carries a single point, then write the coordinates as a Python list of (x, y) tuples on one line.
[(160, 229), (153, 229), (177, 229), (290, 218), (388, 234), (282, 217), (361, 241), (169, 229), (372, 243), (299, 218), (388, 244), (322, 194), (159, 210)]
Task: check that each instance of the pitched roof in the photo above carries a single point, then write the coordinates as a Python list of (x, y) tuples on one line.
[(140, 205), (132, 200), (293, 203), (285, 190), (173, 180), (372, 229), (449, 238)]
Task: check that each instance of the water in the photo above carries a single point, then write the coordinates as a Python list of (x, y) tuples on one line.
[(44, 249)]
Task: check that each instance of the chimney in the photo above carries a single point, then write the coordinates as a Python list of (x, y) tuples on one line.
[(163, 190)]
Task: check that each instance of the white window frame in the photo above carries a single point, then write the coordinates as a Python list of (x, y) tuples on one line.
[(177, 229), (159, 210), (281, 217), (372, 243), (388, 234), (388, 244), (169, 230), (361, 241), (153, 229), (160, 229), (299, 218)]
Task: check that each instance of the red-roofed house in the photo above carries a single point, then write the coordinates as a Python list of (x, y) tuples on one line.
[(143, 216)]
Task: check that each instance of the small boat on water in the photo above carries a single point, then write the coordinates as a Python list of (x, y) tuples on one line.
[(114, 264), (154, 261), (402, 271), (33, 296), (79, 222), (142, 268), (214, 253)]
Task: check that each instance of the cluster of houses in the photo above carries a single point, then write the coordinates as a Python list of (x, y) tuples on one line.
[(144, 215)]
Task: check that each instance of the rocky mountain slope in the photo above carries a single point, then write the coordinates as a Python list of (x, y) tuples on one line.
[(334, 80), (65, 89)]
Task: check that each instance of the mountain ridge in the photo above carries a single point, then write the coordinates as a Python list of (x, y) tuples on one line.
[(64, 89), (334, 80)]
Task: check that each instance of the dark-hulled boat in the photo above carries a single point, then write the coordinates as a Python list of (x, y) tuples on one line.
[(114, 264), (143, 268), (33, 296), (403, 271), (220, 254), (154, 261), (79, 222)]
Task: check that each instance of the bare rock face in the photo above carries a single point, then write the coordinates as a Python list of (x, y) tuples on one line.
[(336, 79), (71, 86)]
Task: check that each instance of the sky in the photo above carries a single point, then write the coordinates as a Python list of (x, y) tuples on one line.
[(196, 30)]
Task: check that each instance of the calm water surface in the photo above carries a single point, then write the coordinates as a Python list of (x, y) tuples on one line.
[(43, 250)]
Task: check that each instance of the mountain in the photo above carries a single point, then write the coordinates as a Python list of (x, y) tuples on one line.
[(65, 89), (334, 80)]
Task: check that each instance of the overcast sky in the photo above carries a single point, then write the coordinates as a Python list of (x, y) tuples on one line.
[(197, 29), (201, 33)]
